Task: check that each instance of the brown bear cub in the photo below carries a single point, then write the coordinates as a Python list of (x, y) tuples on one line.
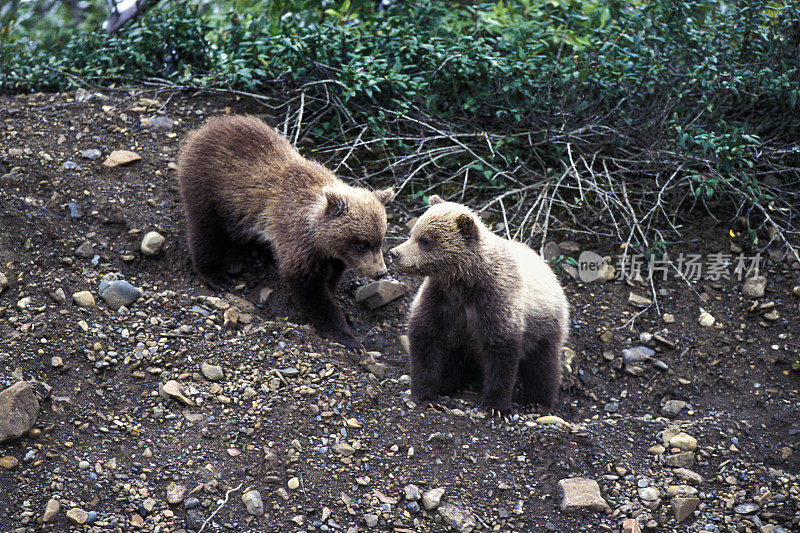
[(241, 181), (489, 309)]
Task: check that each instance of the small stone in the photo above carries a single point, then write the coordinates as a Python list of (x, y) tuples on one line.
[(658, 449), (457, 518), (77, 516), (689, 476), (682, 508), (293, 483), (157, 123), (371, 520), (580, 495), (637, 354), (705, 319), (746, 508), (83, 299), (85, 250), (59, 296), (754, 287), (18, 410), (264, 294), (211, 372), (630, 525), (253, 503), (639, 301), (121, 157), (683, 441), (230, 318), (432, 498), (118, 293), (672, 408), (343, 449), (679, 459), (668, 318), (172, 389), (551, 420), (3, 282), (411, 492), (649, 494), (136, 520), (92, 154), (152, 243), (405, 343), (379, 293), (175, 493), (9, 462), (551, 251), (51, 510)]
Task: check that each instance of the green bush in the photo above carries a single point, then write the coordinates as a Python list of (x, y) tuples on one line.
[(707, 89)]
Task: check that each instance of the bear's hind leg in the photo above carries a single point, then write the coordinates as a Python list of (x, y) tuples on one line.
[(540, 374), (458, 372)]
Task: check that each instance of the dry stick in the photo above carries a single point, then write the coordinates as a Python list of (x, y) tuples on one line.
[(352, 147), (505, 220), (227, 495), (299, 122)]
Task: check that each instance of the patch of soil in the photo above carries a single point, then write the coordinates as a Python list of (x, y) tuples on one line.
[(288, 398)]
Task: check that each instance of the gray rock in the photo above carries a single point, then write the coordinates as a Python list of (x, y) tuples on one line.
[(551, 251), (379, 293), (457, 518), (3, 282), (746, 508), (18, 410), (152, 243), (582, 495), (672, 408), (649, 494), (679, 460), (637, 354), (118, 293), (85, 250), (211, 372), (689, 476), (158, 123), (371, 520), (344, 449), (682, 508), (70, 165), (175, 493), (92, 154), (253, 503), (411, 492), (432, 498)]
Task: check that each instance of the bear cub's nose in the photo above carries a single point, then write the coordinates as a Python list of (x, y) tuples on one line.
[(393, 252)]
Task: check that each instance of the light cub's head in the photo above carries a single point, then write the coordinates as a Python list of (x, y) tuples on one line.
[(442, 241), (351, 225)]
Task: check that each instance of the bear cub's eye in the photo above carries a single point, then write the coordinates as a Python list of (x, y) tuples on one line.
[(424, 241), (363, 246)]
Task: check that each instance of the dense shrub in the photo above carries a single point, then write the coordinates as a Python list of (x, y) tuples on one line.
[(704, 91)]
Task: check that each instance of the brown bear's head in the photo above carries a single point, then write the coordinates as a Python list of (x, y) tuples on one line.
[(350, 226), (443, 242)]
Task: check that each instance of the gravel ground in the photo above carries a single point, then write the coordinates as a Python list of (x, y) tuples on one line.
[(188, 410)]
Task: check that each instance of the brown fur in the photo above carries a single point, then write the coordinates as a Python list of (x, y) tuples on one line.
[(489, 308), (240, 181)]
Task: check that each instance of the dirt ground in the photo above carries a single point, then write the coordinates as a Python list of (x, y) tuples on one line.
[(327, 442)]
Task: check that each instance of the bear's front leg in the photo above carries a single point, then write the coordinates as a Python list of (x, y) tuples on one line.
[(499, 363), (313, 296), (426, 357)]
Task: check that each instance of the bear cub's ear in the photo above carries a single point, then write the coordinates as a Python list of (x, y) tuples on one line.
[(385, 196), (435, 199), (336, 203), (466, 225)]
